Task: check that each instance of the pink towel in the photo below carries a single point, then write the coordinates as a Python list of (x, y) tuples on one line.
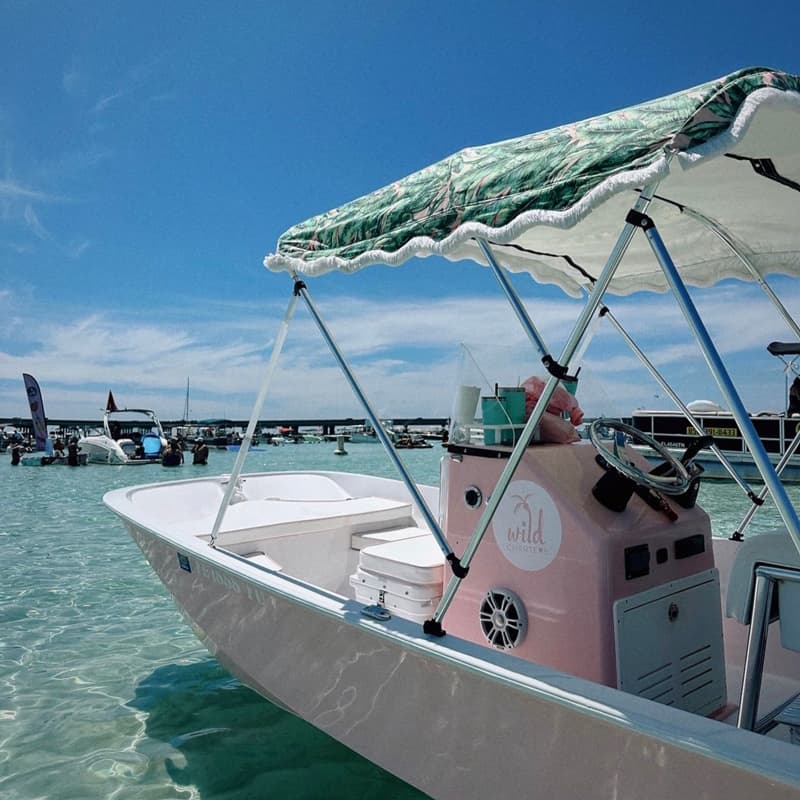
[(560, 402)]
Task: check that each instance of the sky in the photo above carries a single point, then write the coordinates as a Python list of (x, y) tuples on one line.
[(152, 153)]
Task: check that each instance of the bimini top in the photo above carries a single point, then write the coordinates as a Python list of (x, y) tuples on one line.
[(553, 203)]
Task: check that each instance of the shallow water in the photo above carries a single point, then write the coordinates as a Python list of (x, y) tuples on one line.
[(104, 690)]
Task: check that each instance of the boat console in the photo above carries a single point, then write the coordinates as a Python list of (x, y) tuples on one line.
[(629, 598)]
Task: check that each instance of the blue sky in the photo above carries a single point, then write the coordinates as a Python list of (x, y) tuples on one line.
[(152, 153)]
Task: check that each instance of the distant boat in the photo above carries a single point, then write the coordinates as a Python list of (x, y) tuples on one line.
[(411, 441), (365, 434), (672, 429), (130, 436)]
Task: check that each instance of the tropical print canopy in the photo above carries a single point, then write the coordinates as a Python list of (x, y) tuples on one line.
[(726, 153)]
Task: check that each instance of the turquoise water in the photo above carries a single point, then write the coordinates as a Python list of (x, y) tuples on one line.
[(105, 692)]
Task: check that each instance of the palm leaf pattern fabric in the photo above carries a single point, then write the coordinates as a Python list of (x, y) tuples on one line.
[(548, 171)]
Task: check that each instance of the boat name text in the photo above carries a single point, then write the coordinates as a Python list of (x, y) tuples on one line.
[(232, 584)]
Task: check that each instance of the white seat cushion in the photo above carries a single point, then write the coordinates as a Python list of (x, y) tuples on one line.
[(252, 520), (415, 560), (362, 540)]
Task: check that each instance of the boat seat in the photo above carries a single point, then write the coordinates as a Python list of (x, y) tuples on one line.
[(294, 486), (253, 520), (774, 549), (362, 540), (151, 444), (418, 560)]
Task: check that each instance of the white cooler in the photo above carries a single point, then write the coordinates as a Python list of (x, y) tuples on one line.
[(405, 577)]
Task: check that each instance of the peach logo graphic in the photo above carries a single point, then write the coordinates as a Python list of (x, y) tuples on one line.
[(527, 526)]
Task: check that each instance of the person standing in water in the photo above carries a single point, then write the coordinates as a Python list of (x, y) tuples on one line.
[(173, 455), (200, 451), (72, 452)]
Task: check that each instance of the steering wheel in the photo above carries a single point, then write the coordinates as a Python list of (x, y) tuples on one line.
[(675, 483)]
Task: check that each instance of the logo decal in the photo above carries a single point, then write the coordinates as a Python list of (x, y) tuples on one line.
[(527, 526)]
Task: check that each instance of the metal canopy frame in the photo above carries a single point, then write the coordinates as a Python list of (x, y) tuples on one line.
[(720, 374), (434, 625), (232, 482), (233, 478), (302, 290), (636, 219), (662, 382)]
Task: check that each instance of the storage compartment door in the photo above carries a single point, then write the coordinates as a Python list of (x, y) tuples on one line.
[(669, 644)]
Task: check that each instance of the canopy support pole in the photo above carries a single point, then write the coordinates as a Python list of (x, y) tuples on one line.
[(606, 312), (724, 236), (430, 519), (754, 444), (514, 300), (233, 478), (552, 366), (738, 534), (434, 625)]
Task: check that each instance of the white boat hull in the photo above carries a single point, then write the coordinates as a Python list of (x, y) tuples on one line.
[(105, 450), (102, 450), (454, 719), (110, 446)]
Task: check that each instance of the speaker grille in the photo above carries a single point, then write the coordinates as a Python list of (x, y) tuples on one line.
[(503, 619)]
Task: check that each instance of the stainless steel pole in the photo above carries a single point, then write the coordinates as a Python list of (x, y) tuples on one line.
[(233, 479), (513, 299), (754, 444), (419, 501), (585, 318), (678, 402)]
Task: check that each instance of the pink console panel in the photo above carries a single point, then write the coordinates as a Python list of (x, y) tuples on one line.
[(563, 555)]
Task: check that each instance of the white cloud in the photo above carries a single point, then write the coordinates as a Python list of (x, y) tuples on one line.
[(405, 355), (13, 191), (108, 100), (76, 249), (34, 224)]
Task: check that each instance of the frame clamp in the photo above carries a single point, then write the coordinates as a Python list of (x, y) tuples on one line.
[(557, 370), (455, 564), (640, 220)]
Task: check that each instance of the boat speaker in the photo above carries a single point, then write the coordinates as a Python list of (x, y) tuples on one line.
[(503, 619)]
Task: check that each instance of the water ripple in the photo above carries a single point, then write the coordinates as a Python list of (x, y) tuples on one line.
[(105, 691)]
